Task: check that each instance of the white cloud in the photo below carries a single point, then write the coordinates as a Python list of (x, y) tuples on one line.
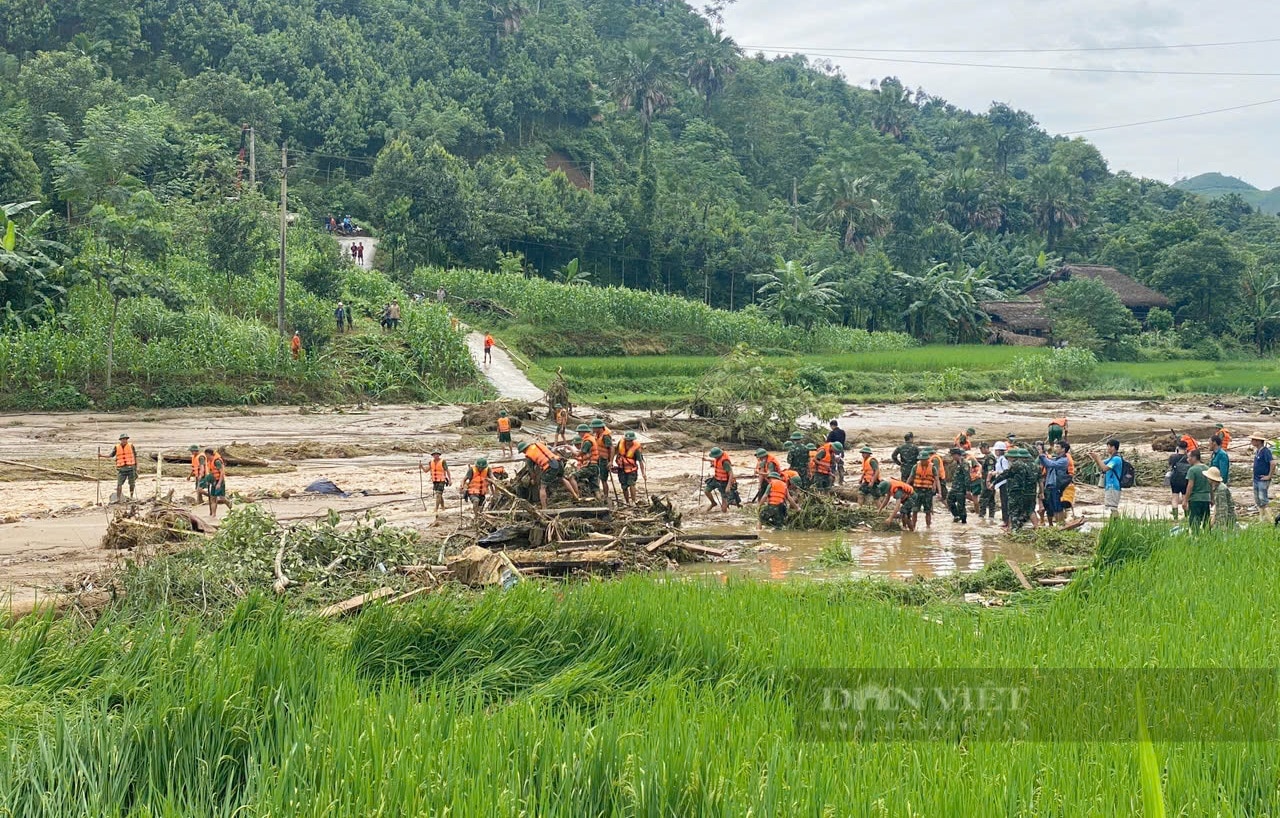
[(1238, 143)]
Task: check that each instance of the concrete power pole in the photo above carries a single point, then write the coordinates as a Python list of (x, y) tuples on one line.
[(253, 163), (284, 229)]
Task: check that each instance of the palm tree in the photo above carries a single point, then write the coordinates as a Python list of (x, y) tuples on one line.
[(892, 108), (847, 204), (643, 83), (712, 62), (508, 15), (1055, 201), (795, 294)]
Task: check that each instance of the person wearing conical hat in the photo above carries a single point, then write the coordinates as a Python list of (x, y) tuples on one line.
[(1224, 508)]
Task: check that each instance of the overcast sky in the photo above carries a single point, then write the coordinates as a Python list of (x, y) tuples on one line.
[(1242, 143)]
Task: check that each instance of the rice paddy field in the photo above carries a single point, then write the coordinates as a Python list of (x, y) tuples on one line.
[(632, 698), (931, 372)]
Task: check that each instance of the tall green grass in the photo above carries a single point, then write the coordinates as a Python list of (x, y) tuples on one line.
[(627, 698), (550, 308)]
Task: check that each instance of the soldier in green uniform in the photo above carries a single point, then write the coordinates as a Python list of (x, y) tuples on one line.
[(1024, 479), (958, 494), (588, 474), (987, 493), (906, 455), (798, 458)]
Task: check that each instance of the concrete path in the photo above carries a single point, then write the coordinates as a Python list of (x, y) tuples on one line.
[(502, 372), (370, 248)]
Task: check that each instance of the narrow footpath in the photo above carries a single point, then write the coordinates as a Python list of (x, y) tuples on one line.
[(502, 372)]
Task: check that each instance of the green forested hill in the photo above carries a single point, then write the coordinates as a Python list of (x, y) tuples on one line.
[(1214, 185), (436, 121)]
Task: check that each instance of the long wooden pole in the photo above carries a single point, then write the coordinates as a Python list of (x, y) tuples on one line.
[(284, 229)]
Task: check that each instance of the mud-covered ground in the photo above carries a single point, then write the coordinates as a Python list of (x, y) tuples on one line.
[(52, 523)]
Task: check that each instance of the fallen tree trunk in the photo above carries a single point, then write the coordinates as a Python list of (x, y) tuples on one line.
[(355, 603)]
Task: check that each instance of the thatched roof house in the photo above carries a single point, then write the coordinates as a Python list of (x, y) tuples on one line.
[(1137, 297), (1025, 317)]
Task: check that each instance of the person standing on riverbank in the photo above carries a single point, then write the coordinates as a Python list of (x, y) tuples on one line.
[(126, 458), (1112, 471), (1199, 492), (504, 433), (1264, 468)]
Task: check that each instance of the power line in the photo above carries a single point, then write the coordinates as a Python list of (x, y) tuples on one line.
[(1174, 118), (1082, 49), (1077, 70)]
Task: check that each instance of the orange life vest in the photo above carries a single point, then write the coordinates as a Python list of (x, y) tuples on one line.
[(295, 344), (217, 469), (924, 477), (825, 458), (722, 465), (439, 471), (766, 464), (562, 417), (939, 466), (975, 469), (488, 341), (962, 441), (197, 464), (602, 451), (1226, 437), (125, 455), (789, 475), (538, 456), (896, 486), (1071, 465), (812, 457), (504, 424), (870, 471), (479, 483), (1059, 422), (589, 456), (627, 455), (778, 489), (1191, 442)]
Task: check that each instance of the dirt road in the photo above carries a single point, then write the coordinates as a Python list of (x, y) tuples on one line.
[(370, 249), (53, 525)]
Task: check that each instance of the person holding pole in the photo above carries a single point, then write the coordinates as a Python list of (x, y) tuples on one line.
[(126, 458)]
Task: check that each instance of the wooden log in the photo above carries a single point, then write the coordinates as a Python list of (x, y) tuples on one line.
[(744, 536), (702, 549), (59, 472), (661, 541), (407, 595), (181, 458), (1017, 572), (577, 512), (564, 561), (1054, 581), (355, 603)]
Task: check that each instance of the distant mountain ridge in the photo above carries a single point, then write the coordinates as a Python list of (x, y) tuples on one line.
[(1213, 185)]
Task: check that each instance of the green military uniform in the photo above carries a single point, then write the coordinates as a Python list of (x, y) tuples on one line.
[(1024, 480), (987, 494), (958, 492), (906, 456), (588, 475), (922, 499), (798, 459)]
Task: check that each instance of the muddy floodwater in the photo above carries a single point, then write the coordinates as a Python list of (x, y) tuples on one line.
[(947, 548)]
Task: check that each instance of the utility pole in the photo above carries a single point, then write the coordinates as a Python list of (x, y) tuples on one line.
[(284, 229), (795, 204), (253, 163), (591, 180)]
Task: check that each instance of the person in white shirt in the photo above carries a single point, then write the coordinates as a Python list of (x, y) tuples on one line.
[(1002, 488)]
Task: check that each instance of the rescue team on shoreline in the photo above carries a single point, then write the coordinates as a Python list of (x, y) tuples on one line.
[(1029, 485)]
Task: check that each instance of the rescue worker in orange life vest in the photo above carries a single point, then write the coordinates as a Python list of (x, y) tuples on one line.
[(926, 480), (126, 466), (630, 463), (475, 485), (777, 500), (504, 433), (869, 484), (438, 470), (721, 479), (199, 466)]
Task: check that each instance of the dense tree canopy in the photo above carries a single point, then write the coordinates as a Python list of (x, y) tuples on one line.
[(634, 137)]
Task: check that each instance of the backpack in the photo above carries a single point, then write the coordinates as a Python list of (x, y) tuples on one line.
[(1127, 475)]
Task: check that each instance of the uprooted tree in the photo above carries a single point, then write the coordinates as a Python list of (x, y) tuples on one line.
[(755, 400)]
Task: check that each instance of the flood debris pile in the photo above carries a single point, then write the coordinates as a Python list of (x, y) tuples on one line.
[(140, 524), (313, 563), (575, 540), (832, 512), (485, 415)]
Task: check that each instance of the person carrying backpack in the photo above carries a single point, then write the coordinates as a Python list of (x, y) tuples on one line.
[(1114, 475), (1178, 467)]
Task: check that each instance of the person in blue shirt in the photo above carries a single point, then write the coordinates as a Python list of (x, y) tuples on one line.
[(1111, 469), (1263, 468), (1055, 479), (1218, 458)]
